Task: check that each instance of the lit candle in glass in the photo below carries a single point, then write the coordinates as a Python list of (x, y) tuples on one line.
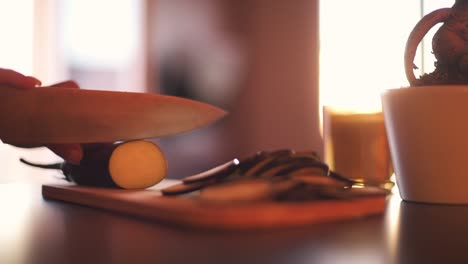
[(355, 145)]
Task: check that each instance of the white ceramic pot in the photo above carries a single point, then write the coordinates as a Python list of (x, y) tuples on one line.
[(427, 129)]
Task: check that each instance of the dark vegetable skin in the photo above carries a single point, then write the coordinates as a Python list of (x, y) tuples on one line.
[(93, 169), (97, 168)]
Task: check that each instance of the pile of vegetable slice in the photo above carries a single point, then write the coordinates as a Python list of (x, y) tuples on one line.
[(281, 175)]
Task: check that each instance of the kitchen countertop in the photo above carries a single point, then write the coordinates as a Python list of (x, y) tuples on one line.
[(37, 230)]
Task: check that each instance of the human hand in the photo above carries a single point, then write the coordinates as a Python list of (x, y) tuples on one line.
[(72, 153), (18, 80)]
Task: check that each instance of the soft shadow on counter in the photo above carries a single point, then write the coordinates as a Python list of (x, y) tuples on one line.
[(429, 233)]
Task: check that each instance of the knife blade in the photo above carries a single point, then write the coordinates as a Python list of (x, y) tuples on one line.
[(50, 115)]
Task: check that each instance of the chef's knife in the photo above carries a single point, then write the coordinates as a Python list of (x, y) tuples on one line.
[(65, 115)]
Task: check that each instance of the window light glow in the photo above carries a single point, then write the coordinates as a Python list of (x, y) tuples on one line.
[(101, 34), (16, 29), (361, 50)]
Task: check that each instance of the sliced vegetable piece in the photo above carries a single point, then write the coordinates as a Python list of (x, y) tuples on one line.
[(184, 188), (352, 193), (245, 190), (218, 172), (135, 164), (319, 180)]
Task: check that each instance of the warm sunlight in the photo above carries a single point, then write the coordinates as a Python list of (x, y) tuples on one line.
[(101, 43), (16, 29), (361, 52)]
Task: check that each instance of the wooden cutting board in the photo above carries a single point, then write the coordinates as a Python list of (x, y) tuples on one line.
[(193, 213)]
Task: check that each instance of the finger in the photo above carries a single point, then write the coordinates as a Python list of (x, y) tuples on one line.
[(72, 153), (17, 80), (23, 146), (66, 84)]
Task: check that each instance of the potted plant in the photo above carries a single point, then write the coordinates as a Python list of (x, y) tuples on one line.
[(426, 122)]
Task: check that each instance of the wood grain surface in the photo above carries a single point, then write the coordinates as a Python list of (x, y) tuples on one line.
[(193, 213)]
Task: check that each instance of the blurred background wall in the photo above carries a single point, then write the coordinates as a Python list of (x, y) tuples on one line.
[(258, 59)]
